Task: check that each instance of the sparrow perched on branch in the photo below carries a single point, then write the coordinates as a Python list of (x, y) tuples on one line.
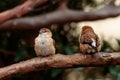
[(44, 44), (89, 41)]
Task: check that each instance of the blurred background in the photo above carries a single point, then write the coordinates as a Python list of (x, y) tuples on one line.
[(16, 46)]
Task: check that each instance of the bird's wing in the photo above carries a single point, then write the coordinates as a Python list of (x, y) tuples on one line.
[(89, 39), (85, 39), (97, 40)]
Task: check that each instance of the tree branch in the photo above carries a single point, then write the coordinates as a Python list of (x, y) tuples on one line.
[(60, 61), (60, 16), (20, 10)]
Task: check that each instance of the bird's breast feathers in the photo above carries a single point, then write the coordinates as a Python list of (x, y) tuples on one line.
[(45, 46), (43, 42)]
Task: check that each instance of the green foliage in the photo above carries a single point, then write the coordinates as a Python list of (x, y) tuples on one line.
[(55, 72), (68, 50), (113, 70), (20, 55), (106, 47), (118, 40)]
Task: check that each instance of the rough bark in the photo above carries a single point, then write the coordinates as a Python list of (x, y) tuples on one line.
[(61, 15), (60, 61), (20, 10)]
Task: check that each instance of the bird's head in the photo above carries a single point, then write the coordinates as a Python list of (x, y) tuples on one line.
[(45, 32), (87, 28), (89, 35)]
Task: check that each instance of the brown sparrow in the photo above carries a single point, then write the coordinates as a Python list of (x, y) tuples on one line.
[(89, 41), (44, 44)]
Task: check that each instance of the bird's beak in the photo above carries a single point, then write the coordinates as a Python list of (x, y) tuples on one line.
[(41, 31)]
